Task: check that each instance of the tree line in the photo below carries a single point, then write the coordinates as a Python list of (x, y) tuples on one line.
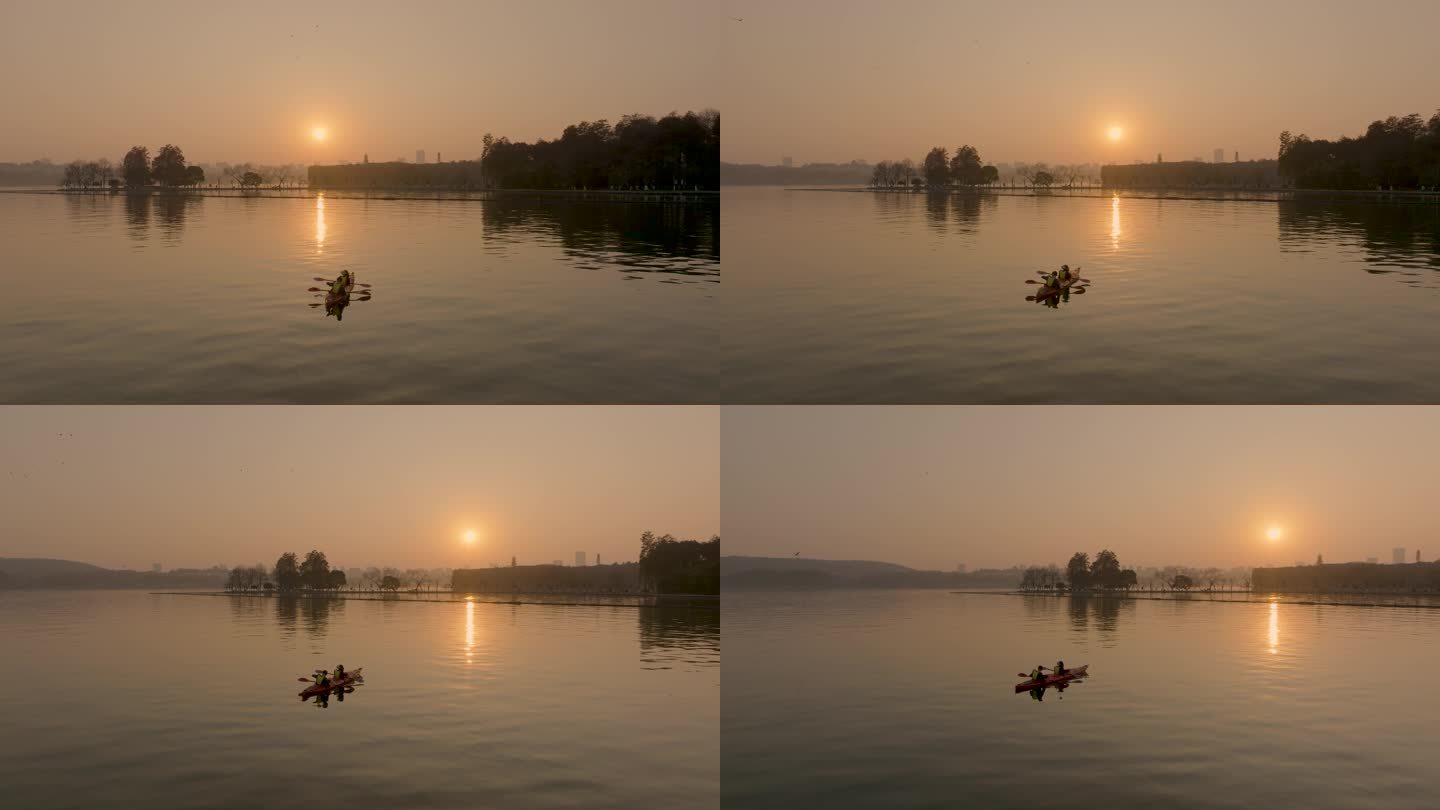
[(639, 153), (938, 170), (167, 169), (1399, 152), (290, 574), (668, 565)]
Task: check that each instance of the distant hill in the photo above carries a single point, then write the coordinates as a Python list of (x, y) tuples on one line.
[(798, 573), (37, 572)]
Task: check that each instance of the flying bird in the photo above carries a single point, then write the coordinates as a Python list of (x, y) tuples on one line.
[(738, 19)]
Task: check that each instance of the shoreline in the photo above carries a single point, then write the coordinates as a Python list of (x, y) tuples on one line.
[(1162, 193), (457, 195), (663, 600), (1209, 596)]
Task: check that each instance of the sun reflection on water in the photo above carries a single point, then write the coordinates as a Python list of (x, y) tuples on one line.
[(469, 631), (1274, 627), (1115, 222), (320, 223)]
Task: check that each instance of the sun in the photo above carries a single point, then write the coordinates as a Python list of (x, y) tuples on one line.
[(1274, 533), (319, 133), (470, 536), (1115, 133)]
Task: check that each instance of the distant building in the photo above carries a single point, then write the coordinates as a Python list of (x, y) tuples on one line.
[(1219, 156), (959, 568), (1372, 560), (1159, 157), (419, 155), (597, 558), (580, 558), (1237, 155), (558, 562), (1299, 563), (437, 158), (155, 567), (1398, 556), (367, 157)]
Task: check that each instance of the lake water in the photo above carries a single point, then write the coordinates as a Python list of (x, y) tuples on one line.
[(125, 699), (905, 699), (848, 297), (202, 299)]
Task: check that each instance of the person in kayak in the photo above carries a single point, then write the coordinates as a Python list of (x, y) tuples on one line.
[(1038, 673), (341, 282), (339, 672), (1060, 669)]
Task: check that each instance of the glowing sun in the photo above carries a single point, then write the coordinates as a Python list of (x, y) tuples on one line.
[(1274, 533), (470, 536), (319, 133), (1115, 133)]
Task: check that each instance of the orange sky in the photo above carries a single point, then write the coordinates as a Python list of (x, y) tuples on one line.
[(852, 79), (199, 486), (91, 79), (1000, 486)]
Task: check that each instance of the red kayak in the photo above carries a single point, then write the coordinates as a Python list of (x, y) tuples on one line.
[(1052, 680), (350, 679)]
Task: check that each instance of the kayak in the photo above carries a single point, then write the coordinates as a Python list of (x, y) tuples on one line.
[(351, 678), (1052, 680), (1046, 292), (335, 297)]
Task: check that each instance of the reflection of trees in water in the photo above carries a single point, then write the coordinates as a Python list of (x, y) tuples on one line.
[(956, 212), (170, 209), (1101, 612), (247, 609), (679, 635), (1396, 238), (640, 237), (314, 611)]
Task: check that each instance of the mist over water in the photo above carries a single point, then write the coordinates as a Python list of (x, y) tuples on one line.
[(904, 699), (179, 298), (848, 297), (140, 700)]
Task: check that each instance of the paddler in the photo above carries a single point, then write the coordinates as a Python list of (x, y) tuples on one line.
[(342, 281), (339, 672), (1038, 673), (1060, 669)]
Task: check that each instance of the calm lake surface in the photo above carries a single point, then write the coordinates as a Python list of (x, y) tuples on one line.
[(201, 299), (905, 699), (125, 699), (850, 297)]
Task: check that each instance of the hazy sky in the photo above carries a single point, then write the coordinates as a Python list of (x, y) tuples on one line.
[(999, 486), (249, 83), (836, 81), (198, 486)]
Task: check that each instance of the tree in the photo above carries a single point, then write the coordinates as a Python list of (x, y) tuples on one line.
[(937, 167), (250, 180), (136, 167), (989, 175), (390, 583), (1044, 178), (315, 570), (1182, 583), (1105, 571), (168, 167), (287, 572), (1128, 579), (335, 580), (194, 176), (965, 167), (1077, 571)]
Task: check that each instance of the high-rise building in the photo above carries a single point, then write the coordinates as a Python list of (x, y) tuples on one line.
[(1237, 155), (580, 558), (437, 158), (367, 157), (1398, 556), (419, 155), (597, 558), (1219, 155), (787, 162)]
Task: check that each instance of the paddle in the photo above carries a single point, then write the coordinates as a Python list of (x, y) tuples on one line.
[(328, 280)]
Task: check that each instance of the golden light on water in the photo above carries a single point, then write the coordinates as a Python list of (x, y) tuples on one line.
[(469, 630), (1274, 627), (1115, 221), (320, 223)]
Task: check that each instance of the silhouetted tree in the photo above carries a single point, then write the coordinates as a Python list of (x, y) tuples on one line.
[(1077, 571), (168, 167), (136, 167), (287, 572), (335, 580), (194, 176), (315, 570), (937, 167)]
